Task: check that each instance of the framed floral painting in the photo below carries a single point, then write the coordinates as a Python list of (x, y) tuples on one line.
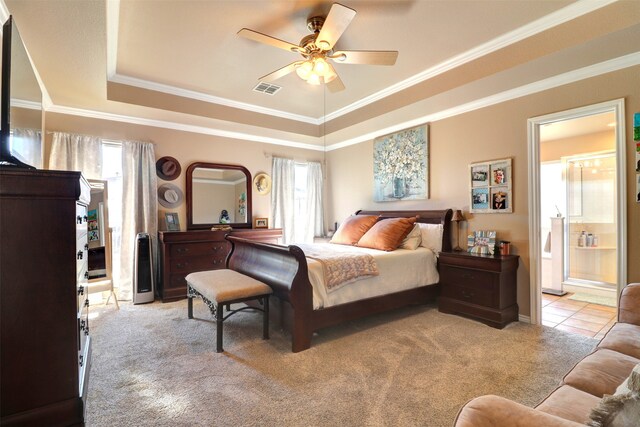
[(490, 187), (401, 165)]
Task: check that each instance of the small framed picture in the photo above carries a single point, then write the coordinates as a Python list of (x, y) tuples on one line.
[(490, 186), (500, 198), (261, 223), (172, 220), (480, 176), (480, 198)]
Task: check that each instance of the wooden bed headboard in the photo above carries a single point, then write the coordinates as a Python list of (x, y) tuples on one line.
[(429, 217)]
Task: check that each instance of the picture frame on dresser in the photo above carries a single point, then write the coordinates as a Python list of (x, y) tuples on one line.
[(172, 220), (261, 223)]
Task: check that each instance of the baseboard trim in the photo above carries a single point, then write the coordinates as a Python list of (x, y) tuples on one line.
[(524, 319)]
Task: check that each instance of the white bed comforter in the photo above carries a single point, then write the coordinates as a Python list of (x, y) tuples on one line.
[(399, 270)]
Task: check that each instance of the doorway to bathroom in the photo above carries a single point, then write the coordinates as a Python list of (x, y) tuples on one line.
[(577, 189)]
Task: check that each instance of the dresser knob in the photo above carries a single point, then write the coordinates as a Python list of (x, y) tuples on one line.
[(81, 360), (78, 219), (86, 274), (86, 246), (86, 303), (86, 331), (81, 290), (83, 324), (85, 218), (79, 255), (183, 250)]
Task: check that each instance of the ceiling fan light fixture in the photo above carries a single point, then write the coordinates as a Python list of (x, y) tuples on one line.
[(304, 70), (313, 79), (320, 66)]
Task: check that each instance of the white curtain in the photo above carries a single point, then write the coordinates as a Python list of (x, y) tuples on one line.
[(77, 153), (283, 197), (314, 209), (26, 145), (139, 207), (296, 200)]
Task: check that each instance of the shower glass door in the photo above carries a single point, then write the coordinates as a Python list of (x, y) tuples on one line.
[(591, 226)]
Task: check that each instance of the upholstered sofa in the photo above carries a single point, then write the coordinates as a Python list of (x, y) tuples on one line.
[(582, 389)]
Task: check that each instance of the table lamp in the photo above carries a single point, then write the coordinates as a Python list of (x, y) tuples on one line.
[(457, 217)]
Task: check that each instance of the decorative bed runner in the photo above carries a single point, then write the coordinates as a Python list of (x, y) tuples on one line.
[(343, 267)]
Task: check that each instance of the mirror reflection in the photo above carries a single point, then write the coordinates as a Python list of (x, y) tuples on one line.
[(219, 196), (98, 231)]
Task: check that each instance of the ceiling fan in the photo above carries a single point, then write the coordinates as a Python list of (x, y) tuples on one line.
[(316, 48)]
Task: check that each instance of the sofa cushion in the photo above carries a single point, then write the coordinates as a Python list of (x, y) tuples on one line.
[(601, 372), (569, 403), (623, 338)]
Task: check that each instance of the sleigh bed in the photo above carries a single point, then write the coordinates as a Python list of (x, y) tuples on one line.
[(286, 270)]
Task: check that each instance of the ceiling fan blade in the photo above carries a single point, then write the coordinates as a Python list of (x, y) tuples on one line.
[(271, 41), (281, 72), (337, 21), (369, 57), (335, 85)]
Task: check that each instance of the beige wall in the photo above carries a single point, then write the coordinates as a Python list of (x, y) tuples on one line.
[(187, 148), (591, 143), (491, 133)]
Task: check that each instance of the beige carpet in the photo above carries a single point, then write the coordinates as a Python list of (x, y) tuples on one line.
[(151, 366)]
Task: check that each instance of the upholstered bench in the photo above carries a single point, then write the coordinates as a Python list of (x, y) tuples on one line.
[(218, 288)]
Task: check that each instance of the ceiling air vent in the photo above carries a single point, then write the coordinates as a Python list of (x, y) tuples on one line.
[(267, 88)]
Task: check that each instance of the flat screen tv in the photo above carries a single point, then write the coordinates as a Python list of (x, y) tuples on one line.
[(20, 102)]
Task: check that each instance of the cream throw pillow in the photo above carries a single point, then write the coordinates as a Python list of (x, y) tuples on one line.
[(623, 408), (413, 239), (431, 235)]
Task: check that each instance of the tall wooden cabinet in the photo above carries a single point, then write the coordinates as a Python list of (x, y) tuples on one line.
[(45, 344), (184, 252)]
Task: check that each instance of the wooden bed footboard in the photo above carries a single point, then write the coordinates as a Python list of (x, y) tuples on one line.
[(284, 268)]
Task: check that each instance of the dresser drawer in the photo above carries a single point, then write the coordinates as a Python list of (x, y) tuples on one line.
[(83, 328), (204, 248), (468, 278), (198, 263), (479, 296)]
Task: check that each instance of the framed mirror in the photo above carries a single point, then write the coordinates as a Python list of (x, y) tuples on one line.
[(99, 238), (218, 194)]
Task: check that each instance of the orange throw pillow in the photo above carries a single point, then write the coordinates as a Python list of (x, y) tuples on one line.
[(386, 235), (353, 228)]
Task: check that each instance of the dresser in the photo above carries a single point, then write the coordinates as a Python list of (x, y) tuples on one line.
[(45, 348), (483, 287), (184, 252)]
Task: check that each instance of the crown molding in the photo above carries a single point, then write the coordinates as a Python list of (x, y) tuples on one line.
[(172, 90), (545, 84), (21, 103), (528, 89), (180, 127), (556, 18)]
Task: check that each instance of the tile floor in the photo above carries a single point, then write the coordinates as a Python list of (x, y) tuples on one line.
[(592, 320)]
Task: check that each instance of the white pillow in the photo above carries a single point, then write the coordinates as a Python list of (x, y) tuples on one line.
[(431, 236), (413, 239)]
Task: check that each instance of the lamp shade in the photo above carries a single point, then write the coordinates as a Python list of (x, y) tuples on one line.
[(457, 216)]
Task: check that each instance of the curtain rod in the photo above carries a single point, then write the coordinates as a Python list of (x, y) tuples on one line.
[(104, 139)]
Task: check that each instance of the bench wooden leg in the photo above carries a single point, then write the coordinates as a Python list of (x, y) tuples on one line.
[(219, 321), (265, 318), (190, 307)]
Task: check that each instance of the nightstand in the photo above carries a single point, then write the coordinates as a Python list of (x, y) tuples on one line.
[(482, 287)]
